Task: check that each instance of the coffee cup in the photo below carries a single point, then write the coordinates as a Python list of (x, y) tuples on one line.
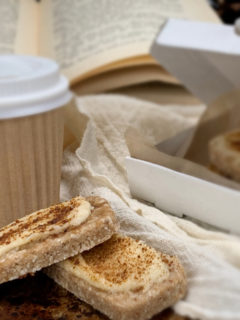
[(32, 96)]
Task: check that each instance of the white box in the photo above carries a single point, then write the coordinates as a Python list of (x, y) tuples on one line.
[(184, 195), (204, 56)]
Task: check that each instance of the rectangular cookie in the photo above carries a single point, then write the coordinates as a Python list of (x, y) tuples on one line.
[(51, 235), (123, 278), (40, 298)]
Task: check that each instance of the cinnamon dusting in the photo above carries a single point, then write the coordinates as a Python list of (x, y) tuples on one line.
[(38, 222), (119, 260)]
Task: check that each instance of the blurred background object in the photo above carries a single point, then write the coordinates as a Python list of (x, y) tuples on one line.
[(228, 10)]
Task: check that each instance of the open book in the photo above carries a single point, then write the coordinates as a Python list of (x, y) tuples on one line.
[(102, 44)]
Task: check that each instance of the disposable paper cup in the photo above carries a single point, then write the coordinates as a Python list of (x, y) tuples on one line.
[(32, 94)]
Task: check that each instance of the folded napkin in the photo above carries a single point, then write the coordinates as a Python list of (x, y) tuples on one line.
[(96, 167)]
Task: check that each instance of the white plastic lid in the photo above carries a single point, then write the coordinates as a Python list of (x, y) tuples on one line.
[(30, 85)]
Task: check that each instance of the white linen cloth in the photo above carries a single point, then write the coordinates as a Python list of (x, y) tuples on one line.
[(96, 167)]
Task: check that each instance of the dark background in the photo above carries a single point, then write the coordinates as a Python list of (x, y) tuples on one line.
[(228, 10)]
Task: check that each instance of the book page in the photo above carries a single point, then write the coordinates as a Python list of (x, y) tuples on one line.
[(122, 77), (174, 96), (84, 35), (9, 15), (19, 27), (199, 10)]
